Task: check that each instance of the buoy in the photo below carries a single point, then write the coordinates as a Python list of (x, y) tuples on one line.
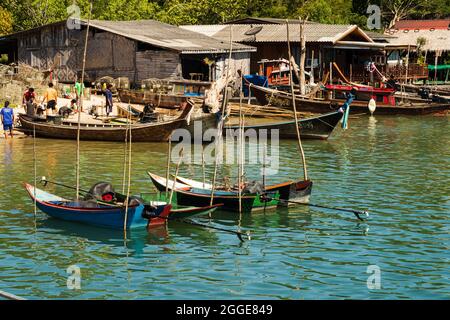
[(372, 106)]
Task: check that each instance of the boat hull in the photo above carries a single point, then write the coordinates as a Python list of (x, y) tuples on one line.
[(109, 217), (139, 132), (267, 96), (319, 127), (168, 101), (295, 191)]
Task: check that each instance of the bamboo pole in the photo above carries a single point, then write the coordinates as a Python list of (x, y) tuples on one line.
[(81, 104), (407, 65), (301, 70), (125, 149), (35, 168), (241, 143), (129, 181), (203, 166), (305, 173), (220, 125), (169, 149), (176, 176)]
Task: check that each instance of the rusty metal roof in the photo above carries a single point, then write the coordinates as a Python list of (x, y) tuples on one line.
[(442, 24), (167, 36), (314, 32)]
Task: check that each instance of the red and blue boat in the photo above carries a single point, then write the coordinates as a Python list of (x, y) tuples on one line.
[(111, 215)]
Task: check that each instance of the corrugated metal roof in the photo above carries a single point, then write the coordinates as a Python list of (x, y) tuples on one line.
[(167, 36), (259, 20), (315, 32), (435, 40), (442, 24)]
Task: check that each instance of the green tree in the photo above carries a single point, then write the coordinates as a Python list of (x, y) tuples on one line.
[(6, 21)]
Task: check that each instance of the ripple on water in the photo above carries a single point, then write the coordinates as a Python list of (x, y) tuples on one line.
[(396, 167)]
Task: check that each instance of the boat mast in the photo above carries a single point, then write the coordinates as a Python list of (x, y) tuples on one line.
[(299, 141), (81, 102)]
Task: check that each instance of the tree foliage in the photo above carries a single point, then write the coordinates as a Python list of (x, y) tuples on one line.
[(6, 21), (25, 14)]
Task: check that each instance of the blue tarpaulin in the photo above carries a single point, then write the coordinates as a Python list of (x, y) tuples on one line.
[(255, 79)]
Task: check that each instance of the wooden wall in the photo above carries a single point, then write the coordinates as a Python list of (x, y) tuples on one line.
[(58, 48), (160, 64)]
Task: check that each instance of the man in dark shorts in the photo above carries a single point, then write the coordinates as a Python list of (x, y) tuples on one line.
[(109, 99), (7, 115), (51, 95)]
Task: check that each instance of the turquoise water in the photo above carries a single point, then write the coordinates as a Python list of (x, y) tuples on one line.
[(396, 167)]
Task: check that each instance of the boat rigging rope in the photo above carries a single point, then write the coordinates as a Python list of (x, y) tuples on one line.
[(81, 102)]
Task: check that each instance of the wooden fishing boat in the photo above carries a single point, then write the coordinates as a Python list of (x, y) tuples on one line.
[(141, 132), (284, 100), (193, 195), (112, 215), (319, 127), (161, 100), (198, 122), (281, 99)]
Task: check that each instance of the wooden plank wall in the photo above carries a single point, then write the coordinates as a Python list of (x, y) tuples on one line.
[(159, 64)]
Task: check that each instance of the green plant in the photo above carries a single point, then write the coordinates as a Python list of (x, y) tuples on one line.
[(4, 58)]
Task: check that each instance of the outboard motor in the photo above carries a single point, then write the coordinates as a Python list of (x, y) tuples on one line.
[(254, 187), (101, 191), (424, 93), (149, 114)]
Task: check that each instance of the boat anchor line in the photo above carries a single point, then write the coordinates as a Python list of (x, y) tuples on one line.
[(357, 213), (237, 233)]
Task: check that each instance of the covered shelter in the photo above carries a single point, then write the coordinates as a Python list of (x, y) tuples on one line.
[(137, 50)]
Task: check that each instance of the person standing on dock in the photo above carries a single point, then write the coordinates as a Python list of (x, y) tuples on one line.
[(28, 100), (7, 115), (79, 90), (51, 95), (109, 99)]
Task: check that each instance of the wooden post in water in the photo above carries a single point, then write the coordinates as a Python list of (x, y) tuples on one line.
[(300, 147)]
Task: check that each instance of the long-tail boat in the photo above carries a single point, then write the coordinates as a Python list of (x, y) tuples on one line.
[(111, 215), (284, 100), (299, 191), (141, 132), (319, 127)]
